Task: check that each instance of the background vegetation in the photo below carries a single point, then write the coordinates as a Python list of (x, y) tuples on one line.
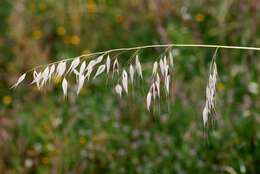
[(97, 132)]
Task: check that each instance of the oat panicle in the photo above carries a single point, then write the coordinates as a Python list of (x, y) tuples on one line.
[(92, 66)]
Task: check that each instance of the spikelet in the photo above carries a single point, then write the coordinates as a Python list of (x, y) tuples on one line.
[(118, 90), (80, 83), (99, 59), (100, 70), (82, 67), (205, 114), (171, 59), (161, 66), (37, 78), (65, 87), (125, 81), (167, 84), (155, 67), (148, 100), (89, 71), (165, 61), (76, 74), (91, 64), (132, 73), (108, 63), (20, 79), (74, 64), (90, 67), (157, 85), (209, 107), (138, 67), (45, 76), (52, 70), (153, 91), (61, 69), (116, 66)]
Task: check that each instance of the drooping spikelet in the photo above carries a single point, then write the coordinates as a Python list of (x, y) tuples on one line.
[(209, 108)]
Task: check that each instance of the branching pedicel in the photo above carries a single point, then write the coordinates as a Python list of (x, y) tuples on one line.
[(102, 62)]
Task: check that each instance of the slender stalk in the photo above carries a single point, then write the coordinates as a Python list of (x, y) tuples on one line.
[(152, 46)]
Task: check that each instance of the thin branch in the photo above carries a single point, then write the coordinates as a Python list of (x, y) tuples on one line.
[(150, 46)]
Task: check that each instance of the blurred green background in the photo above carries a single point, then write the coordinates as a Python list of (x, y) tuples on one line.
[(96, 132)]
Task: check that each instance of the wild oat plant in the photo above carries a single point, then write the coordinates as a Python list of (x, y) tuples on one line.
[(91, 66)]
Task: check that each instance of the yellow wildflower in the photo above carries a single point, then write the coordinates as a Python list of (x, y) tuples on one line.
[(75, 40), (91, 6), (220, 86), (82, 140), (37, 34), (200, 17), (7, 100), (61, 31)]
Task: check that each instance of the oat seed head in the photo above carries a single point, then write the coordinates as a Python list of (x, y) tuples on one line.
[(83, 66)]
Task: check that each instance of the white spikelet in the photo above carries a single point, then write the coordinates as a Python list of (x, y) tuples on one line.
[(37, 78), (91, 64), (20, 79), (125, 81), (99, 59), (65, 86), (158, 78), (45, 76), (35, 74), (205, 115), (210, 93), (161, 66), (166, 70), (155, 67), (165, 61), (171, 59), (138, 67), (76, 74), (153, 91), (167, 84), (82, 67), (80, 83), (108, 62), (89, 68), (89, 71), (116, 66), (157, 88), (118, 90), (74, 64), (132, 73), (52, 70), (61, 69), (148, 100), (100, 70)]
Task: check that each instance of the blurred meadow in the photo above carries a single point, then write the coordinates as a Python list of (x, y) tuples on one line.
[(97, 132)]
